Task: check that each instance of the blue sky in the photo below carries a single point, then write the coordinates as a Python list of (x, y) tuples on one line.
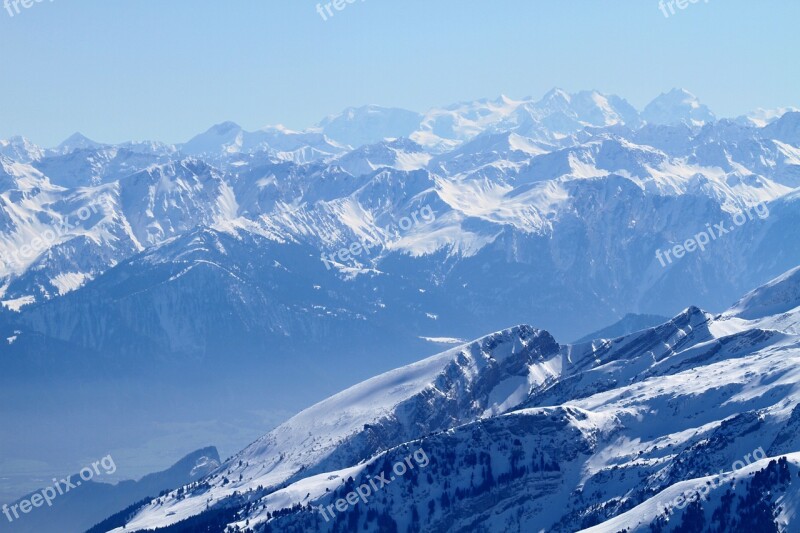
[(146, 69)]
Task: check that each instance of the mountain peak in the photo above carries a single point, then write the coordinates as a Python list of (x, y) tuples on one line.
[(224, 127), (680, 92), (786, 128), (19, 148), (677, 106), (77, 141), (224, 137), (14, 139), (557, 95), (358, 126)]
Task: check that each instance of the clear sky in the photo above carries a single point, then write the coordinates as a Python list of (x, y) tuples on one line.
[(168, 69)]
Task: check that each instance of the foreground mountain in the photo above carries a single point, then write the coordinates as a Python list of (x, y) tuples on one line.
[(515, 432)]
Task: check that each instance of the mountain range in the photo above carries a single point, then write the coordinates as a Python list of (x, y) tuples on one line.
[(517, 432), (193, 289)]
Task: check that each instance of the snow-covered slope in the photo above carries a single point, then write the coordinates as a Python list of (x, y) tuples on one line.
[(521, 433), (761, 496), (777, 297)]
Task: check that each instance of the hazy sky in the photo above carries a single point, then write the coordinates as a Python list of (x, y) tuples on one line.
[(167, 69)]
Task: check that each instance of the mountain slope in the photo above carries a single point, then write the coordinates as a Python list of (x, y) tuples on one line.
[(515, 426)]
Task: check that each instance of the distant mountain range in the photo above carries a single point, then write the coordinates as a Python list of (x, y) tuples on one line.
[(519, 189), (521, 433), (220, 272)]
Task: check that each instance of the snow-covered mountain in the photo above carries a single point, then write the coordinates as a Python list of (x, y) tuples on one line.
[(557, 116), (228, 139), (677, 106), (369, 125), (76, 141), (233, 250), (521, 433), (509, 169), (20, 149)]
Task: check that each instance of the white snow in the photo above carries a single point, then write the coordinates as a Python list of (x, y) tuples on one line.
[(443, 340), (18, 303), (69, 281)]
